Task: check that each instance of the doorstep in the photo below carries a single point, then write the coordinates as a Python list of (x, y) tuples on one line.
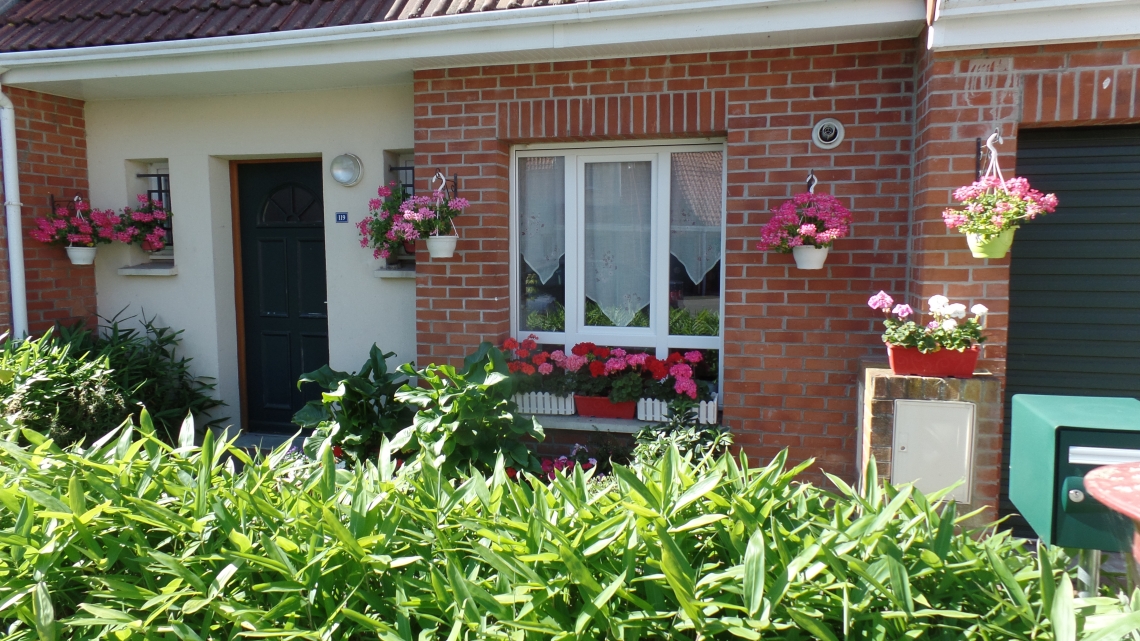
[(590, 424)]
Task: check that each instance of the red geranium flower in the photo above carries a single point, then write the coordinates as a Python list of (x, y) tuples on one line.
[(597, 368), (540, 358), (512, 473), (338, 452), (529, 343), (527, 368), (513, 366), (674, 358), (510, 343), (523, 353), (581, 349), (602, 352)]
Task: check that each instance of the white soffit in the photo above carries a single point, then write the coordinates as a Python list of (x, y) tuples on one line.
[(387, 52), (976, 24)]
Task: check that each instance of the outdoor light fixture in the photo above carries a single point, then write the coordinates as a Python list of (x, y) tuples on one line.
[(827, 133), (347, 169)]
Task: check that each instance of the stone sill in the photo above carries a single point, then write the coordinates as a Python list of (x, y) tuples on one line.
[(150, 269), (408, 272), (590, 424)]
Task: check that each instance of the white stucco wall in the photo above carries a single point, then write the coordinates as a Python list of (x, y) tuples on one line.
[(198, 137)]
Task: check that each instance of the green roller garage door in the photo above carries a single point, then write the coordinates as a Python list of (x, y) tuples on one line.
[(1074, 319)]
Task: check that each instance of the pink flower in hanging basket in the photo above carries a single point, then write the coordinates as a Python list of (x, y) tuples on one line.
[(815, 220)]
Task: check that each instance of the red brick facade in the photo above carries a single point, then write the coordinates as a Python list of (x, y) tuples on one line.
[(52, 144), (792, 339)]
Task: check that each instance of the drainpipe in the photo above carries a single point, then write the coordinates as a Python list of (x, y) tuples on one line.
[(12, 211)]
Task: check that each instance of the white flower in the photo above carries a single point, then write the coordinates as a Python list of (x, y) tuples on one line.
[(937, 304), (957, 310), (979, 310), (949, 324)]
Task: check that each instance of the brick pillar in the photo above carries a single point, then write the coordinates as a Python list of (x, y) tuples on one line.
[(52, 149)]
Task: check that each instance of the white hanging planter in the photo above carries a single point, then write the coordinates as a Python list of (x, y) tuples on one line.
[(653, 410), (545, 403), (809, 257), (441, 246), (81, 255)]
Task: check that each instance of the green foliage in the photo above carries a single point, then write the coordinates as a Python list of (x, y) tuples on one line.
[(682, 322), (51, 389), (74, 383), (683, 432), (910, 334), (467, 416), (133, 539), (357, 410)]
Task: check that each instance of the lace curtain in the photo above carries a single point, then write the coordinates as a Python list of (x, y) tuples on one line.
[(618, 240), (542, 213), (695, 211)]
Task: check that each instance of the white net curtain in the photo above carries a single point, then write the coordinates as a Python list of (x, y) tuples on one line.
[(619, 241), (542, 214), (695, 211)]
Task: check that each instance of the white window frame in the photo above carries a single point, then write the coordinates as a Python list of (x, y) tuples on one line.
[(656, 336)]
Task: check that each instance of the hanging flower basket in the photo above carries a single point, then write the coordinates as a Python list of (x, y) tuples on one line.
[(81, 255), (603, 407), (810, 257), (995, 208), (805, 227), (442, 246), (992, 247)]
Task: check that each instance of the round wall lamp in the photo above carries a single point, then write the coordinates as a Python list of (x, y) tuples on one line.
[(347, 169), (827, 133)]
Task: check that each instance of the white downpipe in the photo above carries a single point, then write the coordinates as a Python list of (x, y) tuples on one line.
[(12, 211)]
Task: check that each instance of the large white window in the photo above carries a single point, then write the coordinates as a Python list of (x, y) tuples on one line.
[(619, 246)]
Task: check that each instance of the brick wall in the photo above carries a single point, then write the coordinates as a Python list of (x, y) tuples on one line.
[(792, 338), (52, 144), (966, 95)]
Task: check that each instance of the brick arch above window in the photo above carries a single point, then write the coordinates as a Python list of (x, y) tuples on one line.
[(690, 113)]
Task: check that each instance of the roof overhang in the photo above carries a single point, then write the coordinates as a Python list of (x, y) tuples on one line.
[(976, 24), (388, 52)]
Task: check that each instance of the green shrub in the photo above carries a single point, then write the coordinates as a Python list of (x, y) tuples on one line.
[(683, 432), (134, 539), (73, 383), (357, 410), (50, 388), (467, 416)]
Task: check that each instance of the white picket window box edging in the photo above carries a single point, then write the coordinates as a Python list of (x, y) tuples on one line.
[(545, 403), (653, 410)]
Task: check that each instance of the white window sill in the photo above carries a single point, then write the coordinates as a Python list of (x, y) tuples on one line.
[(400, 272), (150, 269), (590, 424)]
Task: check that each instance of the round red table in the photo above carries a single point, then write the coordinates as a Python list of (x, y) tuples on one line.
[(1118, 487)]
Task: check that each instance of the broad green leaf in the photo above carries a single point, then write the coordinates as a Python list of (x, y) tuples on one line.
[(754, 573), (1063, 615), (44, 613)]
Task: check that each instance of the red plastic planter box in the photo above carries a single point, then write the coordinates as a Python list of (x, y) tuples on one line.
[(603, 407), (945, 363)]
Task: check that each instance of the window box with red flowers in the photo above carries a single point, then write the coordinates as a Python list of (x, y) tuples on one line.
[(603, 382)]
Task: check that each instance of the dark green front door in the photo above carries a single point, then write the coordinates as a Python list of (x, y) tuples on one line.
[(281, 208), (1074, 285)]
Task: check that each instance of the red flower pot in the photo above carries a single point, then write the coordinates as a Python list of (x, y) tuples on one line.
[(603, 407), (410, 247), (945, 363)]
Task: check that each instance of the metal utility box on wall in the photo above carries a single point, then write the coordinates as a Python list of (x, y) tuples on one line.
[(934, 446), (1055, 441)]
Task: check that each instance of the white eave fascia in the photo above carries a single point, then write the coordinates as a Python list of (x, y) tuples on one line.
[(475, 38), (978, 24)]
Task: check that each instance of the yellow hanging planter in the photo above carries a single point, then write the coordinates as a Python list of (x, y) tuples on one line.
[(992, 247)]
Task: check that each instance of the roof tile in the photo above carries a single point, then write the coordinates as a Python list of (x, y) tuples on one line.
[(32, 25)]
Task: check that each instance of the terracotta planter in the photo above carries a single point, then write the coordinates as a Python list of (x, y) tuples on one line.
[(603, 407), (808, 257), (81, 255), (410, 247), (442, 246), (945, 363), (996, 247)]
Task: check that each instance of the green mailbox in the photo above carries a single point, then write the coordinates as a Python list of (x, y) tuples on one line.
[(1055, 441)]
